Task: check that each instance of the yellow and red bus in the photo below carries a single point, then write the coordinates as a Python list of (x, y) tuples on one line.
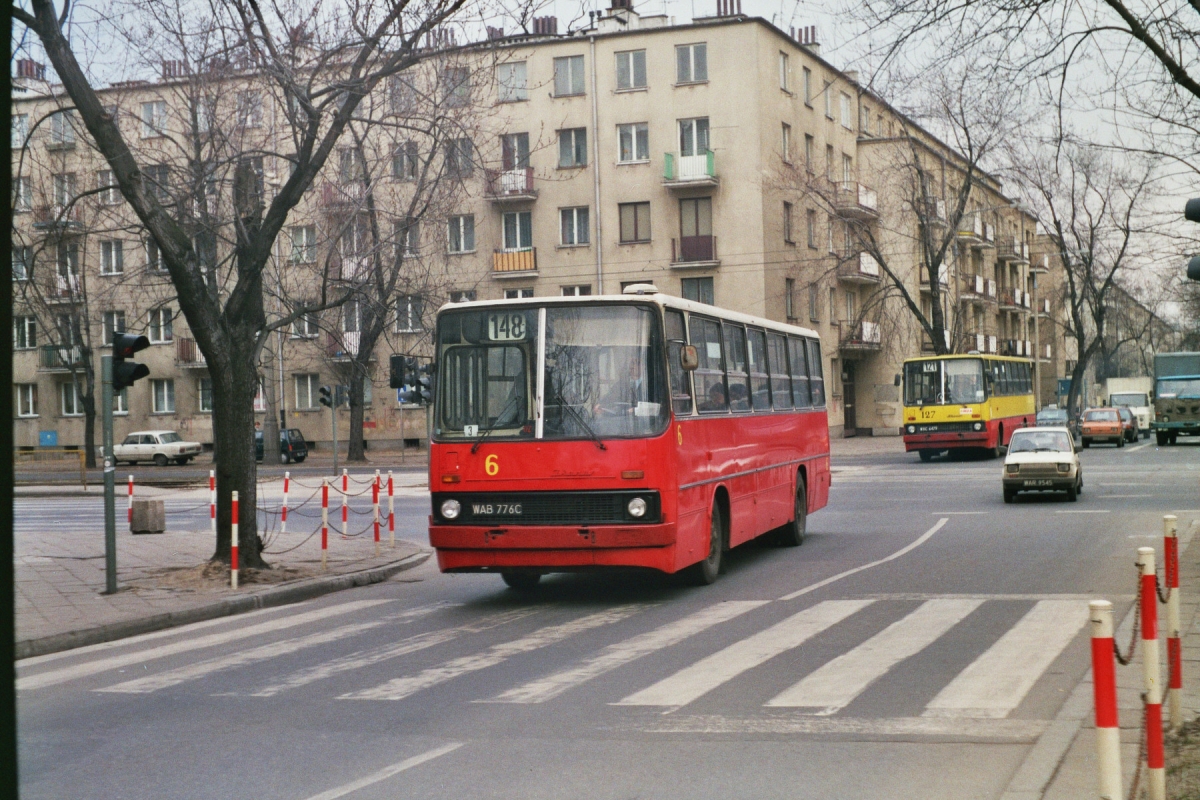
[(966, 401), (615, 431)]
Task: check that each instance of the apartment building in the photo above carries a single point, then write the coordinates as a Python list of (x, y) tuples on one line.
[(723, 160)]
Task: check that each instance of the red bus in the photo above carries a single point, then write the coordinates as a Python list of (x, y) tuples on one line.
[(630, 430)]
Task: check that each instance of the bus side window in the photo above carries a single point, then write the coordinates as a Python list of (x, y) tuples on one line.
[(760, 383), (681, 382), (781, 386), (815, 379), (709, 375), (800, 386), (735, 367), (1028, 370)]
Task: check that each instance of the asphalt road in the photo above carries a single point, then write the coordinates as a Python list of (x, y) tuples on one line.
[(927, 675)]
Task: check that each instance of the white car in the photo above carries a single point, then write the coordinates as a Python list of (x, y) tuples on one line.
[(1042, 460), (161, 447)]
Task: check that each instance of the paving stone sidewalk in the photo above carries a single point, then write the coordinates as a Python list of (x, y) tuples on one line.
[(166, 579)]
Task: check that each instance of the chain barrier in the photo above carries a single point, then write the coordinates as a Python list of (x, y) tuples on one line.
[(290, 549), (1158, 590), (188, 510), (1124, 660), (1141, 754)]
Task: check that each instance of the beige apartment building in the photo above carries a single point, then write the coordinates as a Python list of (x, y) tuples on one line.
[(722, 160)]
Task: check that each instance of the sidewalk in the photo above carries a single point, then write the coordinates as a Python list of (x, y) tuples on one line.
[(866, 446), (1066, 755), (166, 579)]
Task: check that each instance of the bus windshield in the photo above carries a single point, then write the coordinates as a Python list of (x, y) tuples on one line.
[(1182, 388), (952, 381), (485, 373)]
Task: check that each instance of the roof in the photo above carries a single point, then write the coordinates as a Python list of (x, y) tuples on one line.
[(989, 356)]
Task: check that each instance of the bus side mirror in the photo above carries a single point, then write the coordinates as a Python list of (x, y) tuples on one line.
[(898, 379), (688, 359)]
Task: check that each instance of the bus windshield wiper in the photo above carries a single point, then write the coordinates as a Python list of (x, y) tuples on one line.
[(496, 423), (562, 403)]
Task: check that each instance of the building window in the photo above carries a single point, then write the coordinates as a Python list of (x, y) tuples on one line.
[(154, 260), (808, 152), (250, 108), (691, 63), (574, 225), (405, 165), (832, 305), (784, 73), (810, 224), (305, 326), (511, 82), (572, 147), (461, 231), (789, 298), (459, 157), (785, 142), (808, 87), (402, 97), (814, 303), (517, 294), (408, 239), (260, 397), (24, 333), (62, 132), (456, 86), (22, 262), (64, 189), (864, 119), (787, 222), (161, 330), (22, 194), (304, 244), (698, 289), (408, 313), (847, 169), (109, 195), (568, 76), (154, 118), (72, 401), (518, 230), (828, 97), (631, 70), (204, 403), (112, 257), (847, 114), (851, 302), (633, 143), (576, 291), (27, 399), (307, 391), (114, 323), (635, 222), (20, 130), (68, 268), (514, 151), (693, 136), (462, 296), (158, 181), (829, 162), (351, 168), (121, 402)]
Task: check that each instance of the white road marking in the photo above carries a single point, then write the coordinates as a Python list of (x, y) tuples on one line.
[(387, 772), (1137, 447), (65, 674), (922, 539), (958, 513), (995, 683), (708, 673), (400, 688), (366, 658), (621, 653), (1017, 731), (1086, 511), (202, 669), (834, 686)]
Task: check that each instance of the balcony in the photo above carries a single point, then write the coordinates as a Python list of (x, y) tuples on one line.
[(943, 278), (1013, 300), (1012, 250), (343, 346), (510, 185), (864, 336), (694, 252), (342, 197), (991, 343), (853, 200), (351, 269), (973, 289), (1043, 307), (927, 343), (514, 263), (989, 236), (933, 211), (970, 229), (1047, 355), (67, 289), (56, 217), (858, 267), (1041, 264), (60, 358), (974, 341), (188, 355), (690, 172)]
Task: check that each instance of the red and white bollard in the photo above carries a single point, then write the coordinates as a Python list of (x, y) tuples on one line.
[(212, 501), (391, 512), (233, 544), (287, 479), (324, 520), (130, 500), (345, 510), (1104, 680), (375, 505), (1174, 639), (1156, 781)]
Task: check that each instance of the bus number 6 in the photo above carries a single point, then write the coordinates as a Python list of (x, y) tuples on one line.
[(491, 464)]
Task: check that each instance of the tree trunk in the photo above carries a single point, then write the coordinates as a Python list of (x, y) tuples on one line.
[(234, 386), (354, 447), (89, 429)]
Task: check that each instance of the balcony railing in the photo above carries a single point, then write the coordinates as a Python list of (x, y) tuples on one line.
[(56, 216), (1013, 299), (1044, 307), (514, 261), (1040, 264), (858, 267), (970, 228), (973, 287), (511, 185), (943, 277), (856, 200), (927, 343), (343, 345), (60, 357), (694, 250), (349, 195), (683, 171), (973, 340), (1012, 249), (187, 354), (67, 287), (353, 269), (864, 335), (933, 211)]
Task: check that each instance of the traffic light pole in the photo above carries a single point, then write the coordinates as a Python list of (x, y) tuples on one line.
[(333, 412), (110, 478)]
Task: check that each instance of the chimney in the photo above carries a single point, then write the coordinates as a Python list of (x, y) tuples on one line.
[(852, 75), (545, 26), (808, 38), (173, 69), (31, 70), (618, 5), (495, 33)]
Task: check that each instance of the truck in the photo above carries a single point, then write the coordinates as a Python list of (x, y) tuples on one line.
[(1176, 396), (1134, 394)]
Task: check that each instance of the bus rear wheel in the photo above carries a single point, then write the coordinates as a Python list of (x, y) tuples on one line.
[(706, 572), (927, 455), (521, 581), (792, 534)]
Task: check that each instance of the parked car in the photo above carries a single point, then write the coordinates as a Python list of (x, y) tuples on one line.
[(1129, 423), (292, 447), (1102, 425), (1040, 460), (161, 447), (1054, 417)]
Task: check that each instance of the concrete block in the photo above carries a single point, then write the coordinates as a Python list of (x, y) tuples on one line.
[(148, 517)]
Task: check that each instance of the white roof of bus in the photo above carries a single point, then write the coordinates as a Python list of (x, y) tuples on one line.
[(664, 300)]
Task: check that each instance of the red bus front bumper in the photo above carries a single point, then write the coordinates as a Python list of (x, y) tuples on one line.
[(946, 441), (470, 548)]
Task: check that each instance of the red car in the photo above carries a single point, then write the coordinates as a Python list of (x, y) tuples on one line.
[(1102, 425)]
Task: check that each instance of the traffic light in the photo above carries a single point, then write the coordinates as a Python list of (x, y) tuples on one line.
[(341, 395), (124, 373), (404, 378), (425, 384), (1192, 212), (326, 396), (396, 371)]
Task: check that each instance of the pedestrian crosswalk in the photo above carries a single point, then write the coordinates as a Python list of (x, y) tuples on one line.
[(626, 657)]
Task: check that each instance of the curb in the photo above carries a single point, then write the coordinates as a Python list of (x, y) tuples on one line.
[(269, 598)]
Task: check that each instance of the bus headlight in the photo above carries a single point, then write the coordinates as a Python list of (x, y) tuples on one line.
[(978, 426), (912, 428), (451, 509), (636, 508)]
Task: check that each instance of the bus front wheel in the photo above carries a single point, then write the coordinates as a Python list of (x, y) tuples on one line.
[(706, 571), (927, 455), (792, 534)]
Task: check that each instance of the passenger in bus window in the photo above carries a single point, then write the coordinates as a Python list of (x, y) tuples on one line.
[(625, 393), (715, 400)]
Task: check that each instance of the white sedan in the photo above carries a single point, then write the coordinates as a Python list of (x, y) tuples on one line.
[(161, 447), (1040, 460)]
